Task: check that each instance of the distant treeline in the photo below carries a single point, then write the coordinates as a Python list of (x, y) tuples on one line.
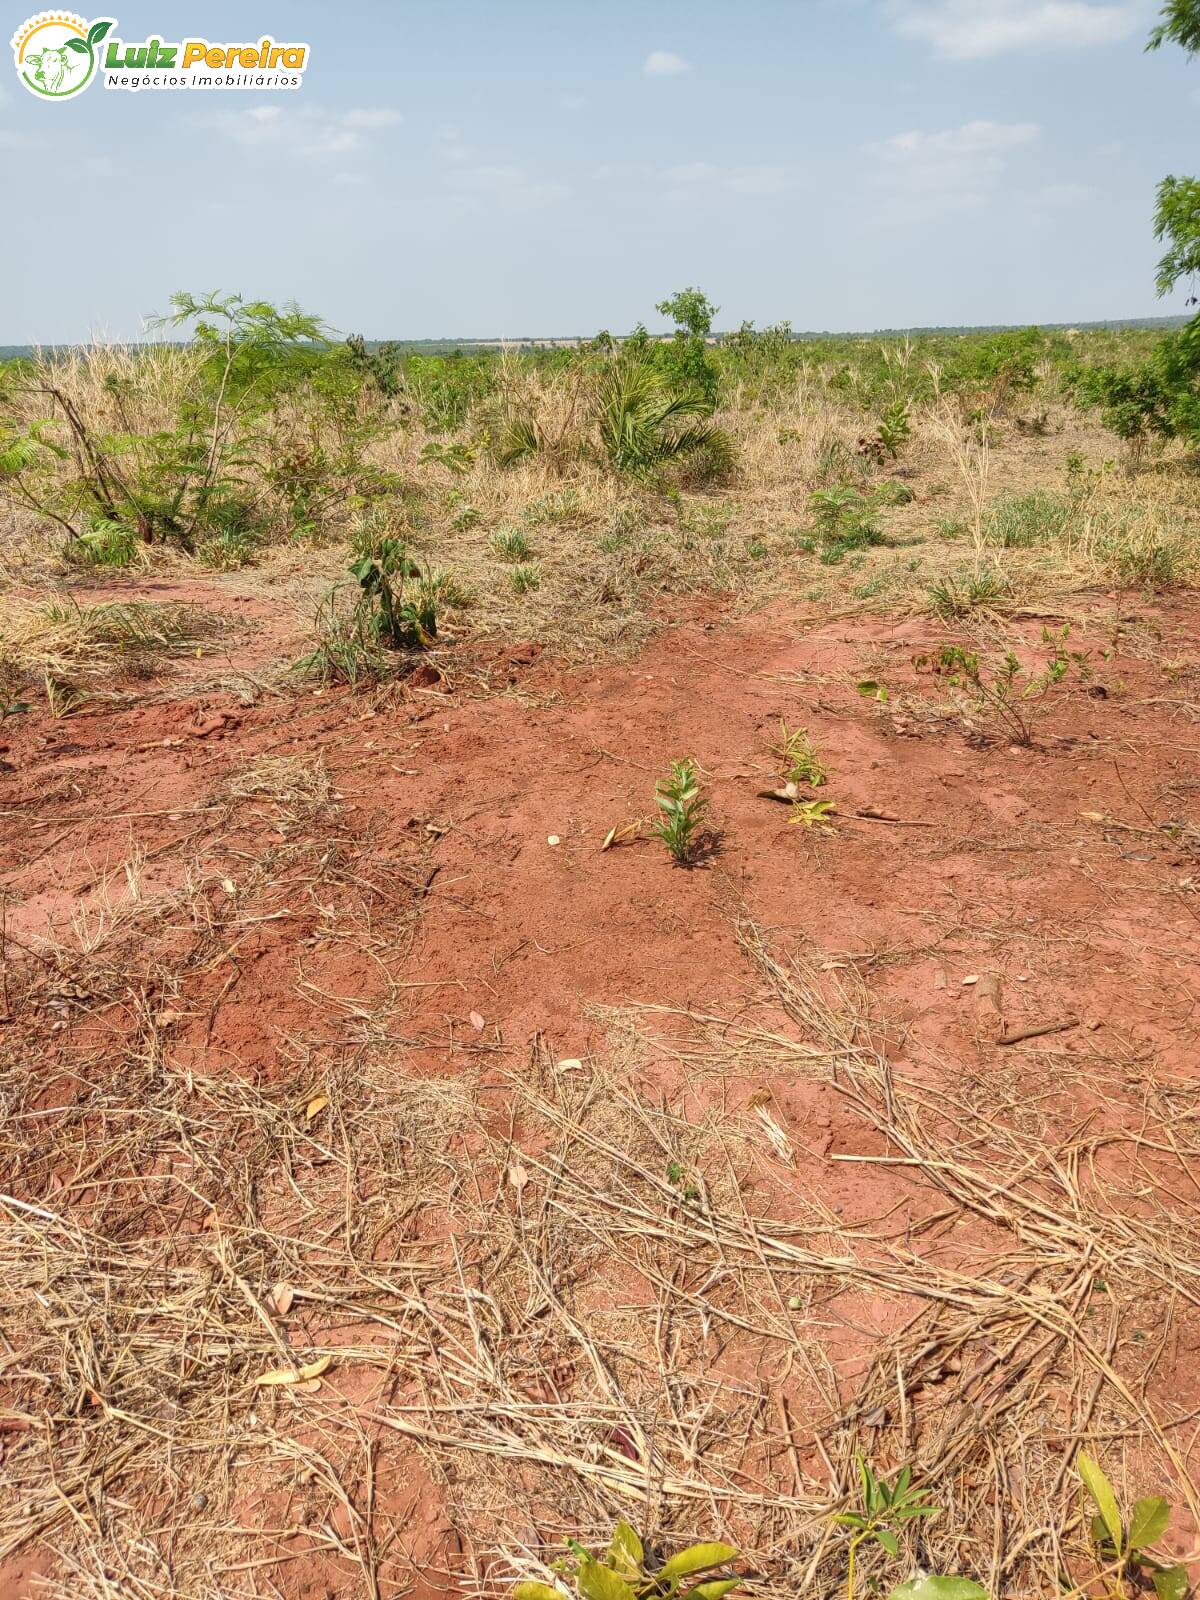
[(442, 347)]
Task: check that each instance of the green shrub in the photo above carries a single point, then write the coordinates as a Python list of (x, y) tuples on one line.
[(642, 426)]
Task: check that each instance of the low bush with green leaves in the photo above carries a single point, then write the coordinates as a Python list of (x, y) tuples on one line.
[(627, 1571), (260, 419), (843, 517), (399, 605), (105, 543), (642, 425), (1004, 698)]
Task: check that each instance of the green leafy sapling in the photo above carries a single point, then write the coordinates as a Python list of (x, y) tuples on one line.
[(799, 757), (626, 1572), (683, 810), (1123, 1543), (397, 622), (887, 1509), (1007, 696)]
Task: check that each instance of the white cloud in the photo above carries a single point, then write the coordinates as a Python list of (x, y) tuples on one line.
[(735, 180), (371, 117), (665, 64), (972, 30), (1059, 196), (505, 188), (956, 169), (304, 130), (17, 139)]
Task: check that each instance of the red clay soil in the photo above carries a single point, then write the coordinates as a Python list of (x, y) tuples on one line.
[(983, 889)]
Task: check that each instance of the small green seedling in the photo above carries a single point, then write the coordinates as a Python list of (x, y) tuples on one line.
[(688, 1192), (886, 1508), (871, 690), (683, 809), (397, 622), (799, 757), (1123, 1543), (624, 1573), (895, 428), (814, 814)]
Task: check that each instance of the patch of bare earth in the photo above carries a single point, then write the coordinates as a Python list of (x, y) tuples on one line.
[(396, 1182)]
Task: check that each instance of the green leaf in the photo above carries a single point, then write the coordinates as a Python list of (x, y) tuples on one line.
[(714, 1589), (696, 1558), (598, 1582), (1148, 1522), (535, 1591), (77, 45), (97, 31), (902, 1483), (1101, 1491), (850, 1519), (625, 1550), (869, 687), (888, 1540), (1171, 1583), (933, 1588)]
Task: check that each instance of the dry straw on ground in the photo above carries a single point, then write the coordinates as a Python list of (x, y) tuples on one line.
[(565, 1296)]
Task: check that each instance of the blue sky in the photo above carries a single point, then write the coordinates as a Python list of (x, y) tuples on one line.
[(507, 167)]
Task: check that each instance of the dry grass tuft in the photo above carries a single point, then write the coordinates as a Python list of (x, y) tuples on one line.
[(76, 650)]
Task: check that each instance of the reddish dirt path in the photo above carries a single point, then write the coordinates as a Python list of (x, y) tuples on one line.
[(991, 868)]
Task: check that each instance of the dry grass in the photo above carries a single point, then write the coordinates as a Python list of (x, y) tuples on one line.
[(574, 1301), (78, 651)]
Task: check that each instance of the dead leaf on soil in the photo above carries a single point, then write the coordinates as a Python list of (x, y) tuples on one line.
[(620, 833), (280, 1377), (281, 1299), (788, 792), (477, 1022), (315, 1106), (518, 1176)]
